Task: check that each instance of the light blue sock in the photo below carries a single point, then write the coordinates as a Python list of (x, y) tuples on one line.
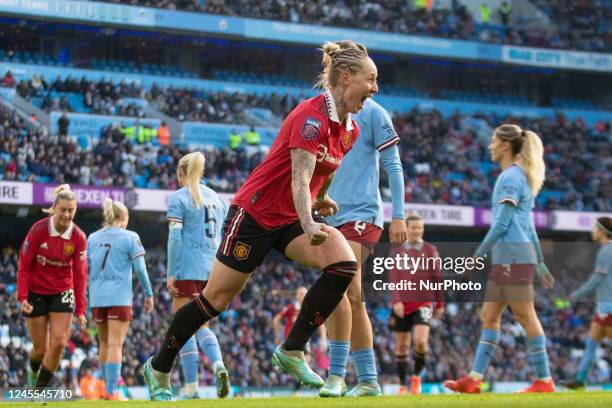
[(210, 345), (538, 357), (103, 372), (190, 359), (112, 371), (365, 365), (486, 348), (338, 357), (587, 359)]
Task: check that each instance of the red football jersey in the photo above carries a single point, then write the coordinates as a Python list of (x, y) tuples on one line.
[(289, 315), (429, 272), (313, 126), (50, 262)]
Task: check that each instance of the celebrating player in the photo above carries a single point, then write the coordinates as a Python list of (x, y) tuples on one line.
[(273, 209), (360, 220), (414, 316), (287, 316), (601, 282), (111, 253), (194, 214), (51, 279), (516, 256)]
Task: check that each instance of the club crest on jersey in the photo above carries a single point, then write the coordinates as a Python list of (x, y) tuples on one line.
[(68, 249), (346, 140), (242, 251), (311, 128)]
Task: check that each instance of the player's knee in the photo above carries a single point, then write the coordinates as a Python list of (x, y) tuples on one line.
[(525, 318), (338, 251), (354, 298), (114, 344), (219, 299), (38, 351), (57, 343), (421, 347), (402, 349)]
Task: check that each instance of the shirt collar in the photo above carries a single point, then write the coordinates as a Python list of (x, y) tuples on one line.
[(333, 112), (55, 233)]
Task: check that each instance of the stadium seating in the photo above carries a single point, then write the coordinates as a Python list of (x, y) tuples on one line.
[(577, 172), (576, 25)]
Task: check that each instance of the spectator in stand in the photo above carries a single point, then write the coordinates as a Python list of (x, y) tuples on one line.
[(485, 13), (235, 140), (8, 80), (504, 13), (63, 124), (163, 134), (252, 137)]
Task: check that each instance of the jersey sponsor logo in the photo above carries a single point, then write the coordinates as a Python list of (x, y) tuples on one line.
[(310, 129), (322, 155), (83, 255), (53, 262), (68, 249), (242, 251), (44, 246)]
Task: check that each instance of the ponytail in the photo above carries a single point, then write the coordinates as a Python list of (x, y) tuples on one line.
[(62, 192), (112, 212), (193, 169), (528, 151), (531, 160)]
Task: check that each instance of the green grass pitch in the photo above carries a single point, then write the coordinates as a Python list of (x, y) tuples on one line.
[(557, 400)]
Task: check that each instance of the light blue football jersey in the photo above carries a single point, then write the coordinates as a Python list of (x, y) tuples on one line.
[(110, 252), (201, 232), (603, 293), (355, 187), (516, 245)]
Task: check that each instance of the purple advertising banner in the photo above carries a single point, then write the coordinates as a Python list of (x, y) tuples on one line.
[(482, 218), (87, 196)]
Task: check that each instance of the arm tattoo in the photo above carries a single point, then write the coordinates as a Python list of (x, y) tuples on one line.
[(323, 191), (302, 167)]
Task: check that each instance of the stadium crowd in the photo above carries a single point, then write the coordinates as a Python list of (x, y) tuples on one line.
[(103, 97), (106, 97), (445, 160), (246, 333), (578, 25), (197, 105)]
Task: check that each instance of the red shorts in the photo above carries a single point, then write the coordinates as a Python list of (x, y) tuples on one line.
[(603, 319), (513, 274), (103, 314), (362, 232), (190, 288)]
